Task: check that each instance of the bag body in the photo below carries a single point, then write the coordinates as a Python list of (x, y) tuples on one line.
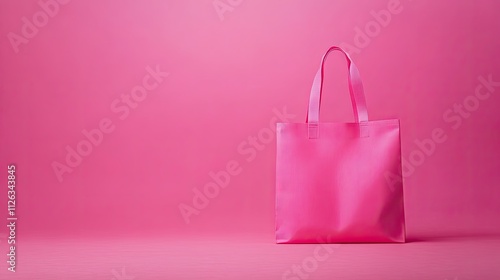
[(333, 180)]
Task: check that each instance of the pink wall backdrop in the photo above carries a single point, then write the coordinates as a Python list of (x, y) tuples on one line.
[(226, 75), (158, 95)]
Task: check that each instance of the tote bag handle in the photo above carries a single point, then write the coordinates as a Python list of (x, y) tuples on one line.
[(355, 88)]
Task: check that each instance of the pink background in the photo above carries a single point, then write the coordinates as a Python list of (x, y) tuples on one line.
[(226, 75)]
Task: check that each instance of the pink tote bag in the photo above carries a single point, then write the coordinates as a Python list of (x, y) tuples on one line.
[(332, 183)]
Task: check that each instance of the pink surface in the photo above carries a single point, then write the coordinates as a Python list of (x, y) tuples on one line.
[(241, 257), (167, 101)]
